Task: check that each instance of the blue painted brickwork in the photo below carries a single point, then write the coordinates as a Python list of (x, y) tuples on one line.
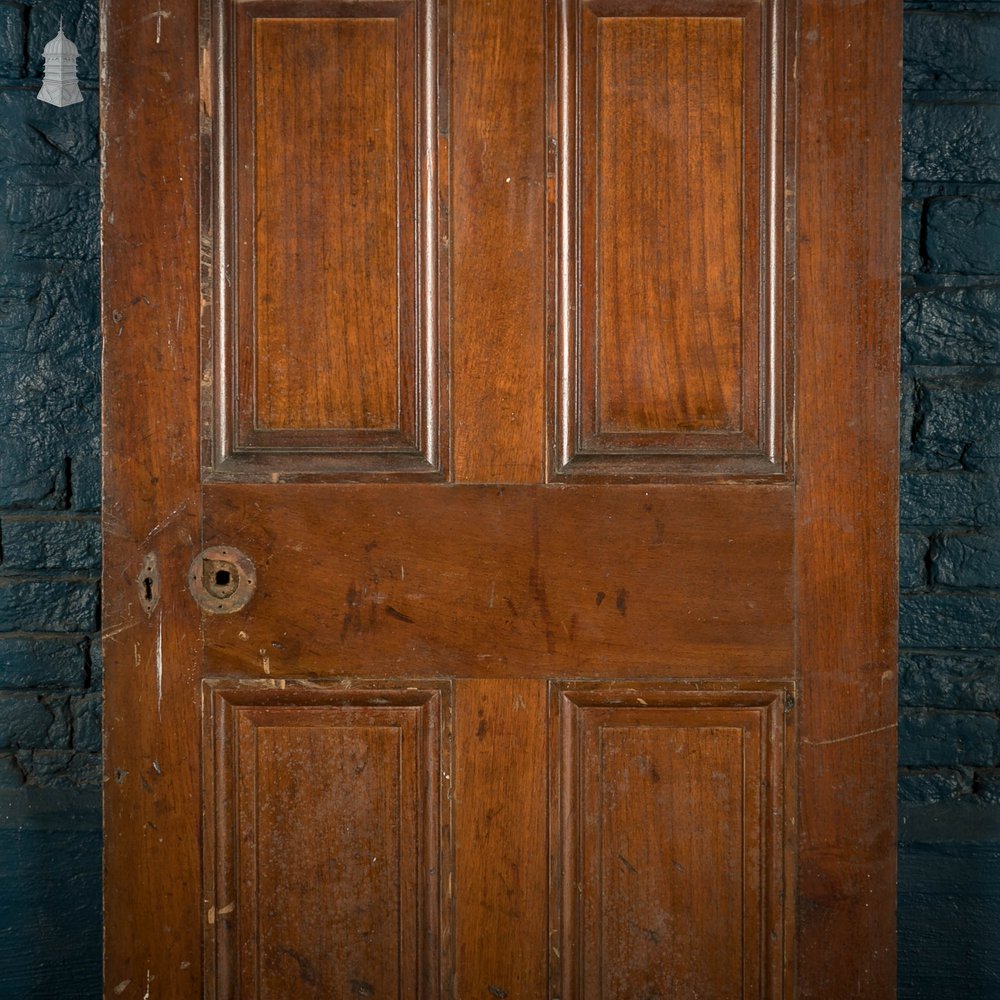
[(950, 510), (49, 403), (50, 678), (949, 739), (949, 555)]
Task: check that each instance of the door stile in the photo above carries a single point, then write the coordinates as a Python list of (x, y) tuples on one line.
[(847, 302), (152, 505)]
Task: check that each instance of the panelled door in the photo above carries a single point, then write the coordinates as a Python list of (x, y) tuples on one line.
[(500, 457)]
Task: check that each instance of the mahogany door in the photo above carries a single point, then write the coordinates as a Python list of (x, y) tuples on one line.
[(500, 498)]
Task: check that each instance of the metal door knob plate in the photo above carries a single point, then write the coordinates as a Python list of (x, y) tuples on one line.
[(222, 579)]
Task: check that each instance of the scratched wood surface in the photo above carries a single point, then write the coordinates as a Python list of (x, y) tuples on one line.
[(317, 786), (847, 319), (481, 581), (153, 911), (500, 681), (669, 833)]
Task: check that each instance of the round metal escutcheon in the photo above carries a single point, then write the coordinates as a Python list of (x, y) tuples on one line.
[(222, 579)]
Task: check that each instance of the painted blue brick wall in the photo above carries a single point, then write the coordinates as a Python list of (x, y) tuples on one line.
[(949, 737), (49, 523), (950, 511)]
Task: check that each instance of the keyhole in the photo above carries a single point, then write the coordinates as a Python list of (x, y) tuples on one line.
[(221, 577), (148, 584)]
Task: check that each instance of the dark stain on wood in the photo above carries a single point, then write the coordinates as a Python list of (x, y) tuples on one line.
[(398, 615), (621, 601)]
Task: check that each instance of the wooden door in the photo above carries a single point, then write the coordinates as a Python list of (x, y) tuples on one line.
[(500, 498)]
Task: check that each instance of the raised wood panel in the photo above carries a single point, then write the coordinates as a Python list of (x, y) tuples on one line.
[(323, 340), (666, 96), (333, 323), (324, 852), (669, 839), (512, 581), (669, 351)]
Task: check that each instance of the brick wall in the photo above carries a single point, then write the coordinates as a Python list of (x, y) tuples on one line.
[(950, 549), (50, 728), (950, 512)]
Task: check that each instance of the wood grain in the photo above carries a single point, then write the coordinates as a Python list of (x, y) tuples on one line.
[(332, 133), (671, 839), (150, 311), (671, 614), (636, 886), (671, 348), (847, 318), (501, 797), (498, 233), (325, 868), (520, 581), (663, 307), (326, 346)]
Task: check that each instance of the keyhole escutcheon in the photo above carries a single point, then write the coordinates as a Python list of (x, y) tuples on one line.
[(148, 584)]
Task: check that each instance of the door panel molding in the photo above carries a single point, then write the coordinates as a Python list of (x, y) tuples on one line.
[(327, 838), (671, 799), (672, 349), (326, 315)]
